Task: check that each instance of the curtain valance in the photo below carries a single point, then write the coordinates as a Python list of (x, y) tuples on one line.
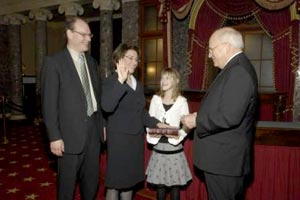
[(208, 15)]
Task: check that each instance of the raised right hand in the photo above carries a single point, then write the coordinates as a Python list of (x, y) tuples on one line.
[(122, 71)]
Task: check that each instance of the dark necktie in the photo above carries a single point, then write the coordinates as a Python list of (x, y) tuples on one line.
[(85, 84)]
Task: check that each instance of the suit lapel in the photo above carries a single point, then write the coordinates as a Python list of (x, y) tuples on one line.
[(69, 63), (71, 69)]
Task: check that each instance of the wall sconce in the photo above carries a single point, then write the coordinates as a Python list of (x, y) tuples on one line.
[(151, 72)]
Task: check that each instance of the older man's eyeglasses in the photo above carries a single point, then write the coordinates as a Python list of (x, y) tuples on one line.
[(83, 34), (211, 49), (131, 58)]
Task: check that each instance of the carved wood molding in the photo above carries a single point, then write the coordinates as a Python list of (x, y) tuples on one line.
[(71, 9), (106, 4), (40, 14), (15, 19), (274, 4), (15, 6)]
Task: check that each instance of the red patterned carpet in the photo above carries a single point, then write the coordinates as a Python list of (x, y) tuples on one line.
[(27, 168)]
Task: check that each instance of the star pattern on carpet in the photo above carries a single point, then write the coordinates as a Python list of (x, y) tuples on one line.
[(26, 166), (28, 179), (12, 174), (46, 184), (29, 173), (13, 190), (41, 169), (31, 196)]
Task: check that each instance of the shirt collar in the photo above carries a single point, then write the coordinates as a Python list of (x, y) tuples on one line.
[(134, 82), (232, 57), (74, 54)]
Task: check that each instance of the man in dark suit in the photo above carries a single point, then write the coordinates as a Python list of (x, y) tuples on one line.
[(70, 89), (224, 124)]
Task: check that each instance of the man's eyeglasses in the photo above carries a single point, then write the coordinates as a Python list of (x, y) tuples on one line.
[(211, 49), (84, 34), (131, 58)]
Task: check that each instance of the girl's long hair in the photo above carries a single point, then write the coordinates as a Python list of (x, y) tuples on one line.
[(174, 74)]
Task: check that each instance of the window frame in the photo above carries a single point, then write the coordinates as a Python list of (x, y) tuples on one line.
[(256, 29), (146, 35)]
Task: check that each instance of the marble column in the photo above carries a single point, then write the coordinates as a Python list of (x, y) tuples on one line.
[(106, 8), (15, 60), (4, 61), (130, 22), (40, 16)]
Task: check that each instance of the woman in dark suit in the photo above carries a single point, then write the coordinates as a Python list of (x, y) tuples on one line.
[(123, 102)]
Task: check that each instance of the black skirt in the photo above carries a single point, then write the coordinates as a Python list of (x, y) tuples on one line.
[(125, 160)]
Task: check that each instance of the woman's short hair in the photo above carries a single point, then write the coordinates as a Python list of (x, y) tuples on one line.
[(121, 50)]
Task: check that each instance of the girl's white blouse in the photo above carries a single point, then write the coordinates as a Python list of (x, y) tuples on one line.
[(171, 117)]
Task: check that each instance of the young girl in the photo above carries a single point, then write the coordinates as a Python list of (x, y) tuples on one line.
[(168, 167)]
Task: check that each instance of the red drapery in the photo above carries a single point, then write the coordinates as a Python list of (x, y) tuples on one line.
[(276, 174), (277, 24)]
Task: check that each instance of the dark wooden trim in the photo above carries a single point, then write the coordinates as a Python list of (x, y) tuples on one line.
[(278, 133), (277, 137)]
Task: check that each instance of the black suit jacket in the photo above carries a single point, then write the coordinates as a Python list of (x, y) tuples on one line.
[(64, 103), (225, 120), (124, 107)]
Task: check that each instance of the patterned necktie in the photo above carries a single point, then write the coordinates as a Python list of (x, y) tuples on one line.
[(85, 84)]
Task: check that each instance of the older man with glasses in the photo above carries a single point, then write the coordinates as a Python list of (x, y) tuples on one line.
[(224, 124)]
